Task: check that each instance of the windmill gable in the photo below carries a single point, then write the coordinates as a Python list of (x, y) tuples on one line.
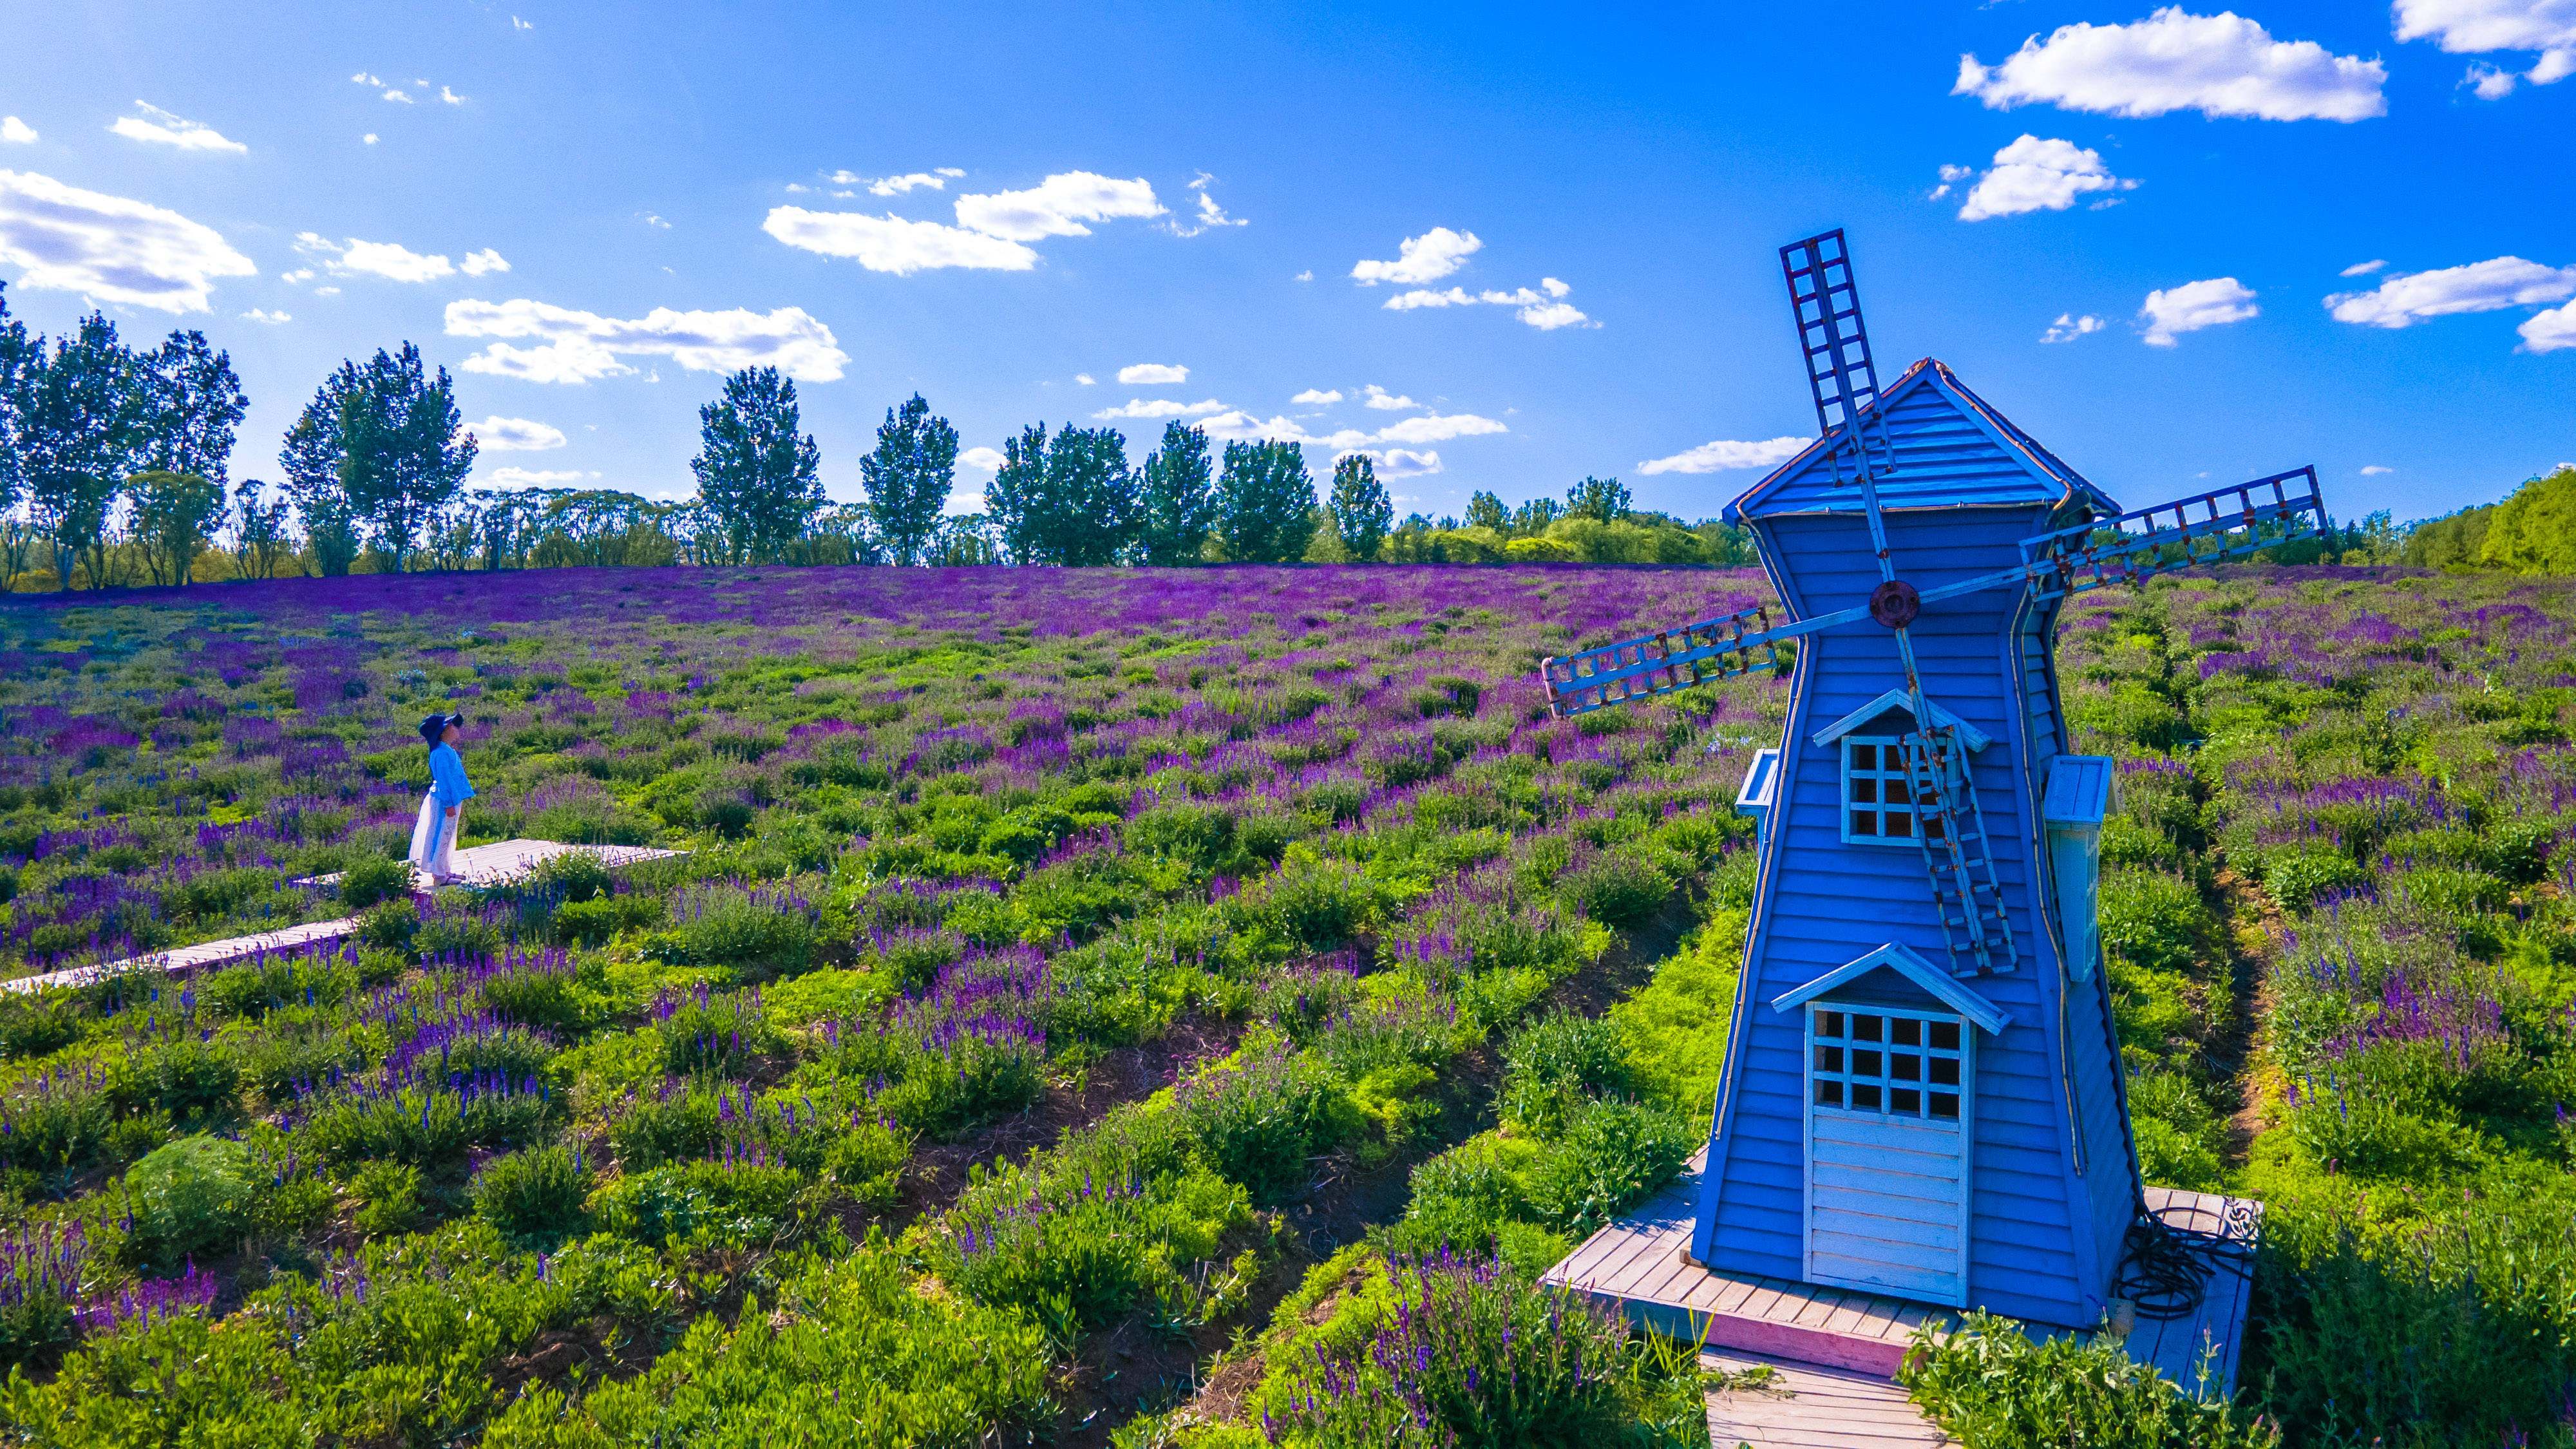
[(1951, 450)]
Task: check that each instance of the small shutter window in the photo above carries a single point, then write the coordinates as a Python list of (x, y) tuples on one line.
[(1886, 1062), (1878, 794)]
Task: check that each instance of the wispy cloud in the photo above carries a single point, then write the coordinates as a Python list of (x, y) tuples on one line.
[(1210, 215), (1057, 206), (498, 434), (16, 132), (574, 346), (1152, 374), (1162, 407), (164, 129), (2068, 327), (893, 244), (2405, 298), (1317, 397), (1724, 455)]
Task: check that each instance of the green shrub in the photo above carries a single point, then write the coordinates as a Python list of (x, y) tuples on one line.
[(39, 1274), (1989, 1384), (577, 875), (1613, 1155), (1553, 1065), (1616, 888), (728, 926), (727, 1202), (1309, 906), (389, 925), (2156, 922), (374, 880), (716, 1036), (196, 1196), (194, 1081), (389, 1198), (533, 1197), (1258, 1120), (1199, 835), (2296, 877), (35, 1024)]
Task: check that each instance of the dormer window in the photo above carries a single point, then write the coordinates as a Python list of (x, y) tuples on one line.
[(1878, 796)]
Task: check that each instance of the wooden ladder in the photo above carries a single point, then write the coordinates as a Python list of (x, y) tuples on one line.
[(1965, 893)]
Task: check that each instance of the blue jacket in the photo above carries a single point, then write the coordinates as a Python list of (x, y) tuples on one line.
[(447, 777)]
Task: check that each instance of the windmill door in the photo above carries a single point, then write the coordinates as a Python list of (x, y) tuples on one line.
[(1889, 1120)]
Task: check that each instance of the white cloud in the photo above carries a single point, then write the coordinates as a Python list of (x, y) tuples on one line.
[(162, 128), (1723, 455), (1317, 397), (534, 478), (1425, 258), (1307, 275), (1396, 462), (389, 260), (365, 79), (271, 318), (16, 132), (982, 460), (1084, 378), (892, 244), (398, 98), (1210, 214), (1553, 287), (2363, 269), (498, 434), (2068, 327), (2219, 65), (579, 346), (2374, 470), (369, 138), (1535, 309), (892, 185), (1057, 206), (109, 248), (487, 260), (449, 96), (1162, 407), (2549, 331), (655, 221), (2405, 298), (2473, 27), (1437, 428), (2214, 302), (1379, 397), (1152, 374), (1552, 315), (517, 24), (2033, 174), (1950, 176)]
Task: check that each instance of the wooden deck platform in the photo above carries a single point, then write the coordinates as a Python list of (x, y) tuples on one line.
[(479, 865), (1849, 1343)]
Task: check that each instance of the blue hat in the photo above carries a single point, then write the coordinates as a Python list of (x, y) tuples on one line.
[(434, 725)]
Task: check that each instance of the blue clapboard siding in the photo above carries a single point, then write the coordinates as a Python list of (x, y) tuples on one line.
[(1951, 450), (2050, 1173)]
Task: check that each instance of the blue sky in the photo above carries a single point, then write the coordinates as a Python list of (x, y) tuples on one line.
[(1544, 237)]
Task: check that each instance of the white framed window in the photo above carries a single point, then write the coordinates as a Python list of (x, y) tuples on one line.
[(1886, 1062), (1879, 807)]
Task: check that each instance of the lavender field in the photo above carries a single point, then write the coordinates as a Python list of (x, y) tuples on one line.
[(1169, 1007)]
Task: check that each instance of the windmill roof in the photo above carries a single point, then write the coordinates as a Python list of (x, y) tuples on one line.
[(1952, 450)]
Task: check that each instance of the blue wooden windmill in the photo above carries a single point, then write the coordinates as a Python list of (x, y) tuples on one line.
[(1923, 1095)]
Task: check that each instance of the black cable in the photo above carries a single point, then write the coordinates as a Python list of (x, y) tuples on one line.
[(2165, 1267)]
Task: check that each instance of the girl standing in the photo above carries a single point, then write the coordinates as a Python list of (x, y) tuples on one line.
[(442, 810)]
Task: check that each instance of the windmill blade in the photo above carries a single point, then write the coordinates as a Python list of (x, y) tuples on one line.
[(2233, 523), (1835, 347)]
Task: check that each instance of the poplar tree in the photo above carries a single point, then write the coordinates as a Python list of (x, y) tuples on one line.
[(1177, 508), (755, 475), (908, 478), (1265, 503), (1362, 513)]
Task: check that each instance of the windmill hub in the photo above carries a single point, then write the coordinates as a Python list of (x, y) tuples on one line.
[(1895, 603)]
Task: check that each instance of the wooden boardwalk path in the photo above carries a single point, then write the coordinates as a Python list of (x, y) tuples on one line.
[(1845, 1345), (478, 865)]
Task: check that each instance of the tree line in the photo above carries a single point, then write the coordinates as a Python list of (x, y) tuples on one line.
[(115, 469)]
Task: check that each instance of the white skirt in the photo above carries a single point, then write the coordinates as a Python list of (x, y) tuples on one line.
[(433, 840)]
